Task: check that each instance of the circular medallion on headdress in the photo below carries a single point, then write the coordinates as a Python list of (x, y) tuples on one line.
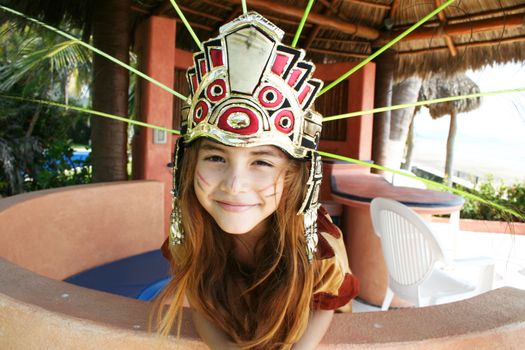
[(200, 112), (239, 120), (270, 97), (216, 91), (284, 121)]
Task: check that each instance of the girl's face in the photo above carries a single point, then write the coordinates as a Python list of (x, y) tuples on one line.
[(239, 187)]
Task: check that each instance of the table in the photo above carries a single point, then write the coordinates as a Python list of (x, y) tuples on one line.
[(355, 191)]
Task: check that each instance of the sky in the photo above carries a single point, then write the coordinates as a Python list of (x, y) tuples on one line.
[(491, 139)]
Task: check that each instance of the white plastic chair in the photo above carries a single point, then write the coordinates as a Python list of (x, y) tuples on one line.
[(413, 256)]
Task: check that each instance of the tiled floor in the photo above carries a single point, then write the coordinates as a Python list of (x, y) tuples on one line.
[(507, 250)]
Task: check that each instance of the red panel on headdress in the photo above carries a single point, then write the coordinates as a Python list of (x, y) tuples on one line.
[(194, 82), (216, 57), (304, 92), (280, 63), (294, 76), (204, 70)]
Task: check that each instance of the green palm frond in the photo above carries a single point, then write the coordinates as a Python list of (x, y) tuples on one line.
[(37, 57)]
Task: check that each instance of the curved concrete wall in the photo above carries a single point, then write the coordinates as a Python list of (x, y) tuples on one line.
[(60, 232), (38, 311)]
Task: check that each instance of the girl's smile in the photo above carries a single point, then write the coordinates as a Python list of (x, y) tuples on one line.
[(235, 207), (239, 187)]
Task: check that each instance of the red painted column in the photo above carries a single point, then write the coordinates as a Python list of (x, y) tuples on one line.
[(152, 150), (358, 143)]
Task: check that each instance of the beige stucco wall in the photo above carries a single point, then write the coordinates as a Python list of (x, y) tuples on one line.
[(38, 311)]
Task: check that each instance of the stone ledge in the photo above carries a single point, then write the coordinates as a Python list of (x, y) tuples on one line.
[(38, 312)]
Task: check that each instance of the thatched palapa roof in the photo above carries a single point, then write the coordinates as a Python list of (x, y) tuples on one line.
[(467, 34), (439, 86)]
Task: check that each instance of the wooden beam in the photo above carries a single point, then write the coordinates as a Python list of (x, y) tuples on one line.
[(371, 4), (235, 11), (195, 25), (329, 7), (338, 53), (441, 14), (394, 8), (186, 10), (292, 35), (276, 19), (448, 38), (508, 11), (166, 7), (461, 28), (311, 37), (450, 45), (139, 9), (343, 41), (317, 28), (162, 8), (216, 4), (359, 30), (510, 40)]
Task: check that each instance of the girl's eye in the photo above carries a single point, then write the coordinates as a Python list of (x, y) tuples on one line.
[(214, 159), (263, 163)]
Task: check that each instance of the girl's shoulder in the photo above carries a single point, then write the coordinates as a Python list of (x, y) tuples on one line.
[(335, 286)]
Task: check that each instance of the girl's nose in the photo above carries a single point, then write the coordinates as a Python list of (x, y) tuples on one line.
[(234, 181)]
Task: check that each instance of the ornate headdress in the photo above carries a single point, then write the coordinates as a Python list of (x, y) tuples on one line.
[(247, 89)]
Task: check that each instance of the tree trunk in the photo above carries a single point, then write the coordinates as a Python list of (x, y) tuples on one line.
[(383, 97), (449, 163), (409, 155), (406, 91), (110, 89), (33, 121)]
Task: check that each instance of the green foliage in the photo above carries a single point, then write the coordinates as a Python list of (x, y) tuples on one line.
[(512, 197), (36, 140), (59, 168), (39, 156)]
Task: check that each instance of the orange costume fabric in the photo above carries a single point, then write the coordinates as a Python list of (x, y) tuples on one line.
[(335, 286)]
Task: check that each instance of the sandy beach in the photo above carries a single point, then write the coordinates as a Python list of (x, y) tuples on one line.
[(490, 140)]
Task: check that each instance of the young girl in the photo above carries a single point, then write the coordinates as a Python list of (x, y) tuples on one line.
[(260, 263)]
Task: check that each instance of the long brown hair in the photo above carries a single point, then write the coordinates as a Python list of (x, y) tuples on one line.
[(263, 308)]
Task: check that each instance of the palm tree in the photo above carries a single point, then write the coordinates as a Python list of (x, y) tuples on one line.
[(35, 66), (439, 86), (108, 22), (391, 128)]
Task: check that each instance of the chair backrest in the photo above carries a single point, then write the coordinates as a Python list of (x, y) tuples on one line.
[(409, 247)]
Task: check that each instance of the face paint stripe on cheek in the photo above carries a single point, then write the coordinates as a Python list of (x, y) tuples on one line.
[(267, 187), (273, 194), (201, 178), (199, 185), (273, 186)]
